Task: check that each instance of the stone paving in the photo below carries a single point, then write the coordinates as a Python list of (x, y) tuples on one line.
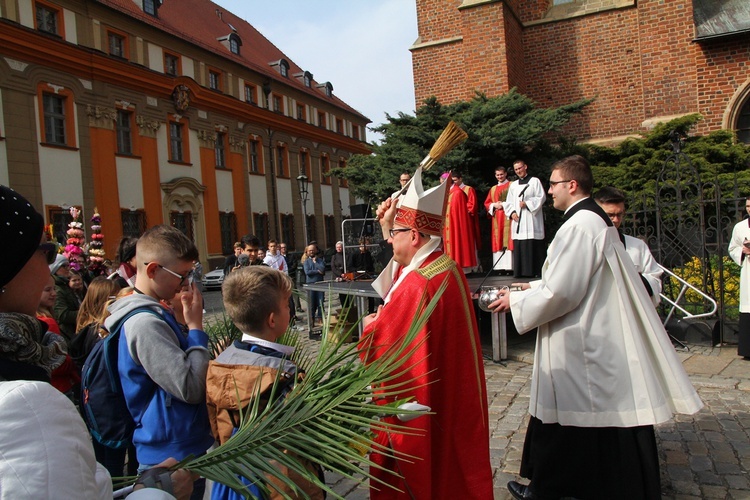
[(706, 455)]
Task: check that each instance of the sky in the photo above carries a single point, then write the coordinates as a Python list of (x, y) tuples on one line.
[(360, 46)]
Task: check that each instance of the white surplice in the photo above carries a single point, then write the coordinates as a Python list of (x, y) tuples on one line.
[(602, 356), (645, 264), (531, 223), (740, 233)]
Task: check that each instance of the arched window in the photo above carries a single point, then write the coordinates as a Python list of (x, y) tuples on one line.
[(743, 123), (234, 43)]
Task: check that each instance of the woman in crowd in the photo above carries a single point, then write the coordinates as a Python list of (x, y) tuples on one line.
[(91, 317), (125, 274), (67, 302), (66, 377)]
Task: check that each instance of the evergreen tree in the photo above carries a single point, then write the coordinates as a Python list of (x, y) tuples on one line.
[(500, 130)]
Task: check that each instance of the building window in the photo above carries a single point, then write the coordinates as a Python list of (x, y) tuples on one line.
[(743, 123), (133, 222), (184, 222), (300, 111), (59, 218), (339, 126), (54, 119), (253, 155), (304, 165), (329, 222), (322, 122), (307, 79), (124, 132), (234, 45), (214, 80), (260, 221), (250, 94), (117, 45), (150, 6), (176, 142), (342, 181), (312, 232), (325, 170), (47, 19), (281, 170), (228, 229), (287, 230), (220, 150), (172, 64), (277, 104), (355, 131), (284, 68)]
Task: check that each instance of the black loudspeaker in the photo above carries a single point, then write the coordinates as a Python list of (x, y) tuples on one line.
[(359, 211)]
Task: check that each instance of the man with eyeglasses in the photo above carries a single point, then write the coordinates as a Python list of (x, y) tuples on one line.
[(523, 206), (605, 371), (612, 201), (445, 372)]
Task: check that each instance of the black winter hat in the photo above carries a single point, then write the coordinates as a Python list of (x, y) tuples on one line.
[(21, 228)]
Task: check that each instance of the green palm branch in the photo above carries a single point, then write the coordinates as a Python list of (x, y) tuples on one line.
[(328, 418)]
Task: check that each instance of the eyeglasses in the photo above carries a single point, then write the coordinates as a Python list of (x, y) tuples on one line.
[(555, 183), (188, 277), (615, 215), (50, 251), (392, 232)]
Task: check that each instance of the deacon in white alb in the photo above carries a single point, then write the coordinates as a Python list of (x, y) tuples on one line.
[(739, 250), (612, 201), (605, 371)]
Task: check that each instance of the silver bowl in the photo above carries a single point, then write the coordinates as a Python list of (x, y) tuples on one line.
[(488, 295)]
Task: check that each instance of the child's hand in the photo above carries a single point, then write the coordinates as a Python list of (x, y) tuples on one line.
[(192, 308)]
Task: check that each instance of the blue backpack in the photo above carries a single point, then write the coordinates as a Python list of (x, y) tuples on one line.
[(102, 400)]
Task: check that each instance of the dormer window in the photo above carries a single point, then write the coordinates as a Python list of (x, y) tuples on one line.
[(150, 7), (234, 45), (283, 67), (307, 79), (232, 42), (327, 88)]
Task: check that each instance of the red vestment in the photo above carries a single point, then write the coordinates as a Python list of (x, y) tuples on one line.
[(458, 231), (453, 443), (472, 204), (500, 226)]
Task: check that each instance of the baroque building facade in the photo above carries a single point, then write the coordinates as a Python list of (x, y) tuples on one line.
[(643, 61), (169, 111)]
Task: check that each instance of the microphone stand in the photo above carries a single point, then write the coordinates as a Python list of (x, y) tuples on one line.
[(479, 288)]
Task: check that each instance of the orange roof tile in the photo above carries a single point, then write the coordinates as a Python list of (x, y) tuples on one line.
[(197, 22)]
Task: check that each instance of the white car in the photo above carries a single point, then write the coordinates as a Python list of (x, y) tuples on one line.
[(213, 279)]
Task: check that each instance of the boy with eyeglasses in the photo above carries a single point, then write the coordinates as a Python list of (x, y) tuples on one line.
[(163, 370)]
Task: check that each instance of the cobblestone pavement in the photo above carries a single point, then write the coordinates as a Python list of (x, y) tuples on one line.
[(706, 455)]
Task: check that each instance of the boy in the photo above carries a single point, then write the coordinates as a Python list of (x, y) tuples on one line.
[(256, 298), (163, 371)]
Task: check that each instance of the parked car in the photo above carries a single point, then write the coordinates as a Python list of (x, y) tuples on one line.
[(213, 279)]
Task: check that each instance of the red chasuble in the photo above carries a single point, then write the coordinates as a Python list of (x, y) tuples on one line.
[(458, 232), (472, 204), (500, 226), (453, 444)]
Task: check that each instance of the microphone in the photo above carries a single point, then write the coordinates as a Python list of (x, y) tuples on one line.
[(243, 260)]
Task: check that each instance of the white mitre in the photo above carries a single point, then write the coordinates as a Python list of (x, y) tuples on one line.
[(421, 210)]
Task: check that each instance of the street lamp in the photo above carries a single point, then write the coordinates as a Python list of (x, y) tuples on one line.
[(303, 192)]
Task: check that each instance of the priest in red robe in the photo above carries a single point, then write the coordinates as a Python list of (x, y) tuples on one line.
[(501, 237), (472, 205), (458, 230), (446, 371)]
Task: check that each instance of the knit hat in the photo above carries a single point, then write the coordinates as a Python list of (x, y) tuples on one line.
[(60, 261), (21, 229)]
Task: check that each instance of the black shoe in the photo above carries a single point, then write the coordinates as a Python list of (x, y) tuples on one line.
[(520, 491)]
